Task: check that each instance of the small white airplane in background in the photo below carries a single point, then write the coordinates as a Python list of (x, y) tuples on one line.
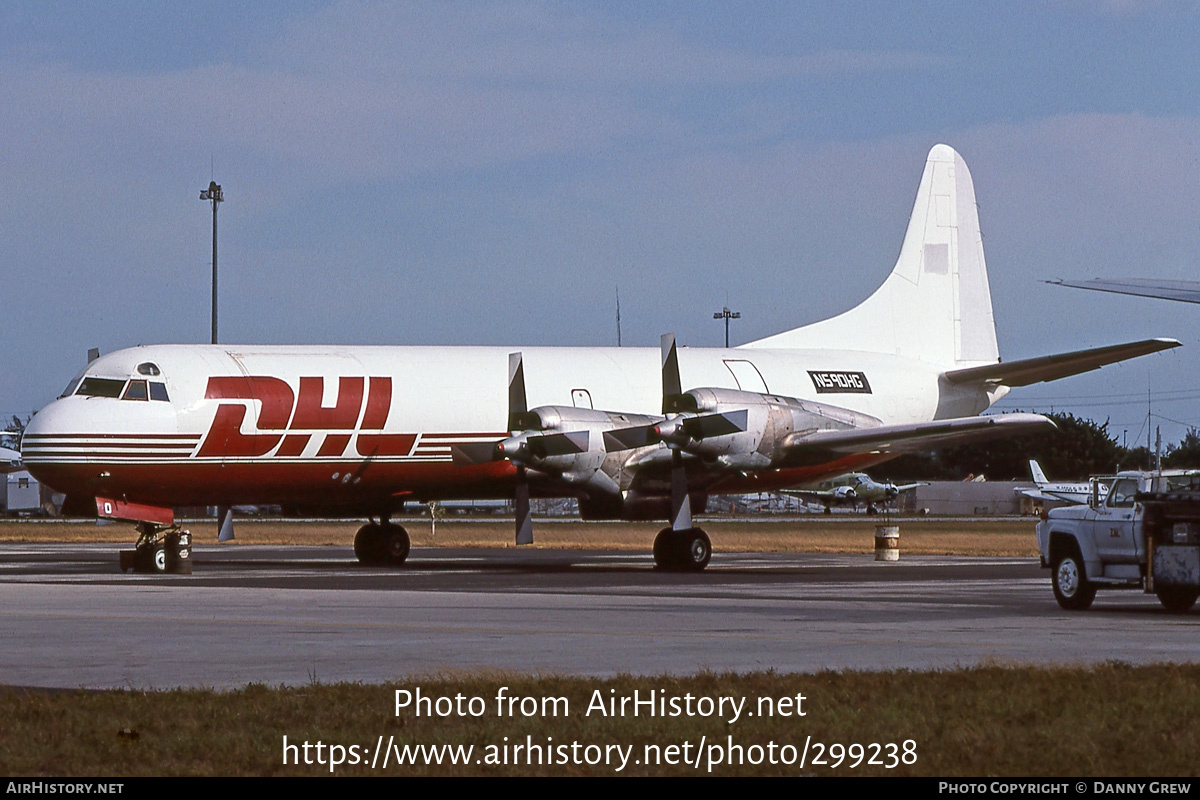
[(368, 429), (10, 461), (1080, 493), (851, 489)]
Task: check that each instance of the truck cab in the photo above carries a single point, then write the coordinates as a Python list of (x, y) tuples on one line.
[(1144, 534)]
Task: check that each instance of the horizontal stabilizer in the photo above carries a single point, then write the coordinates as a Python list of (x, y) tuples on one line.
[(1049, 368), (1183, 291), (919, 435)]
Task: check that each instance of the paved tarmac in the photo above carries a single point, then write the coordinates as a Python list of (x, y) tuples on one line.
[(294, 615)]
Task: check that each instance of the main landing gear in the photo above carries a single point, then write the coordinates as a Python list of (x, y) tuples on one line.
[(381, 544), (687, 550), (159, 549)]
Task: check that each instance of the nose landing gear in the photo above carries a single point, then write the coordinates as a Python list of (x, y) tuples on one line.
[(159, 550)]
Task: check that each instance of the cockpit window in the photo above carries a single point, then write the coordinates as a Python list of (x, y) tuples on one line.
[(74, 384), (136, 391), (71, 387), (158, 391), (100, 387), (148, 368)]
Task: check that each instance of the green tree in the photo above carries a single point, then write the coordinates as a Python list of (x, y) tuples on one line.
[(1185, 454), (1075, 449)]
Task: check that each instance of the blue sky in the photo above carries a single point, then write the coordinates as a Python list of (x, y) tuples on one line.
[(461, 173)]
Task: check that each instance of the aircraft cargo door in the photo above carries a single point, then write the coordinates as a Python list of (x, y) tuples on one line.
[(747, 376)]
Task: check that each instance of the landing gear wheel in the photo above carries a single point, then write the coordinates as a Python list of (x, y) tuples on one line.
[(369, 545), (871, 509), (1177, 599), (688, 550), (160, 559), (695, 550), (1072, 589), (396, 544), (664, 553)]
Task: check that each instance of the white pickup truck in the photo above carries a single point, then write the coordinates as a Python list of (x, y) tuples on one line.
[(1144, 534)]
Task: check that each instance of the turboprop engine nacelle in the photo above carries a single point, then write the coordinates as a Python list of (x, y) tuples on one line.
[(770, 419), (584, 468)]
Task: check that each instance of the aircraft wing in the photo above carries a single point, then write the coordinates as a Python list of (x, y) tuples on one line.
[(813, 495), (1183, 291), (917, 436), (1078, 498), (10, 460), (908, 487), (1048, 368)]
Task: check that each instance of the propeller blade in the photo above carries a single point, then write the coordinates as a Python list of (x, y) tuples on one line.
[(518, 409), (681, 506), (524, 513), (629, 438), (710, 425), (558, 444), (674, 400), (670, 368), (468, 453)]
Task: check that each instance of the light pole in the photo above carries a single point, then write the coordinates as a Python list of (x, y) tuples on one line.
[(727, 315), (213, 193)]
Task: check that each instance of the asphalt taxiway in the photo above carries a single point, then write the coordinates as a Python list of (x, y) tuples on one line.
[(293, 615)]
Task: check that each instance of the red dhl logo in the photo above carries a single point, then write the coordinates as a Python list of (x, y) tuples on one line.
[(283, 412)]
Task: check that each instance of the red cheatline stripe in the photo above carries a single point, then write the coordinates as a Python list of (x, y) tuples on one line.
[(192, 436), (112, 445), (44, 454), (463, 435)]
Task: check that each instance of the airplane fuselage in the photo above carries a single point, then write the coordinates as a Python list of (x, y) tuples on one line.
[(334, 425)]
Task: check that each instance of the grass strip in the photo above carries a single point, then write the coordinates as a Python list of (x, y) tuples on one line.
[(1111, 720), (846, 534)]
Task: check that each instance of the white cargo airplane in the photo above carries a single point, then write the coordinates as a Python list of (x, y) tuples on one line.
[(370, 428), (1079, 493), (851, 489)]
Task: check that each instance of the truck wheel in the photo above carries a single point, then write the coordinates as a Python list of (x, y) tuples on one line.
[(1177, 599), (1072, 589)]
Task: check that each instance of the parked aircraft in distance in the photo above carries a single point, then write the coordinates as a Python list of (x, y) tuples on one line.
[(10, 460), (850, 489), (370, 428), (1183, 291), (1079, 493)]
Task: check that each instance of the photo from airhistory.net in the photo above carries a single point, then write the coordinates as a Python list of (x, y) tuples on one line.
[(600, 389)]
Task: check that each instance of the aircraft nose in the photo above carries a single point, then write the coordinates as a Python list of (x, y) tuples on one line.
[(47, 422)]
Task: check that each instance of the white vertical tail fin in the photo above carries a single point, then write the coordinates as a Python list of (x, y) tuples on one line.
[(936, 305), (1039, 477)]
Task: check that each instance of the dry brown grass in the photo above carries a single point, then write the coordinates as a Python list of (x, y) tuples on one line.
[(999, 537)]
